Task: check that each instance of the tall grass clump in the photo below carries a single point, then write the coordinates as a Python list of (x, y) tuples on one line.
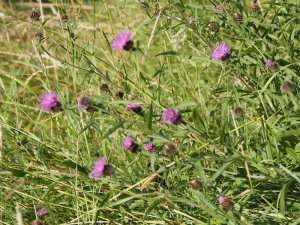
[(150, 112)]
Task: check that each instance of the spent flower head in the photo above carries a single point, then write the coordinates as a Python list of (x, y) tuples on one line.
[(42, 212)]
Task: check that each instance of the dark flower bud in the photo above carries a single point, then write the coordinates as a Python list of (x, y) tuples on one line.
[(38, 36), (155, 11), (144, 5), (196, 184), (108, 170), (287, 86), (238, 17), (36, 222), (255, 8), (213, 27), (104, 87), (129, 46), (120, 94), (170, 149), (238, 111), (35, 15), (64, 18)]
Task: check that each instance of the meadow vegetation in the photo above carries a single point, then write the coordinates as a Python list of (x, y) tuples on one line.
[(190, 116)]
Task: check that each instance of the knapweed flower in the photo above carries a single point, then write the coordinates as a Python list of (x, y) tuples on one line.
[(119, 94), (212, 27), (196, 184), (134, 108), (271, 66), (220, 9), (36, 222), (171, 116), (98, 168), (64, 18), (255, 8), (238, 17), (221, 52), (129, 144), (287, 86), (123, 40), (225, 202), (49, 102), (149, 147), (42, 212), (170, 149), (35, 15)]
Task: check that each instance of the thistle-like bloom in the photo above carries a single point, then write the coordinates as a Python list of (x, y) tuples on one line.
[(42, 212), (123, 40), (98, 168), (271, 66), (128, 143), (225, 202), (221, 52), (49, 102), (134, 108), (171, 116), (220, 9), (150, 147), (84, 103), (196, 184)]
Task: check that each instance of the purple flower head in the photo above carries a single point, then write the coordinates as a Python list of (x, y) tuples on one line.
[(134, 108), (128, 143), (221, 52), (83, 103), (220, 9), (150, 147), (42, 212), (225, 202), (123, 40), (269, 62), (222, 199), (271, 66), (171, 116), (98, 168), (49, 102)]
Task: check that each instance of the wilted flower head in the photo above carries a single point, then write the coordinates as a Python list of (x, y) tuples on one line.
[(35, 15), (225, 202), (196, 184), (120, 94), (287, 86), (220, 9), (42, 212), (238, 17), (49, 102), (170, 149), (36, 222), (134, 108), (83, 103), (271, 66), (255, 8), (64, 18), (238, 111), (149, 147), (123, 40), (38, 36), (104, 87), (98, 168), (221, 52), (212, 27), (171, 116)]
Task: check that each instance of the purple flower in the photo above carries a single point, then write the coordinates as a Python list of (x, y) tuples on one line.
[(49, 102), (123, 40), (271, 66), (150, 147), (128, 143), (220, 9), (42, 212), (221, 52), (225, 202), (171, 116), (83, 103), (98, 168), (134, 108)]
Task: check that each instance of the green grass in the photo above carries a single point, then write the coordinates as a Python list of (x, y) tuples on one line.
[(46, 159)]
